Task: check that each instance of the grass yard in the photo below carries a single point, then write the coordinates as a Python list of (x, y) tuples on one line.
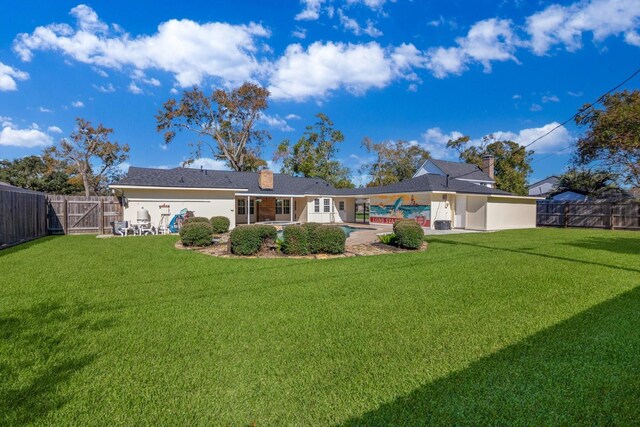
[(528, 327)]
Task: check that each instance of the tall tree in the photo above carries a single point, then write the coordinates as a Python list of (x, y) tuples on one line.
[(512, 164), (224, 123), (314, 155), (394, 161), (90, 154), (33, 173), (595, 183), (612, 140)]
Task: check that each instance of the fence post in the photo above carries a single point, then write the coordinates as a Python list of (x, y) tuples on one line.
[(65, 217), (565, 215), (100, 216), (611, 215)]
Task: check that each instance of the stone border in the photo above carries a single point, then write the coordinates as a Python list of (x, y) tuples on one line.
[(365, 249)]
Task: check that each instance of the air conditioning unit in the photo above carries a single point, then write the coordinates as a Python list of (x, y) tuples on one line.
[(442, 225)]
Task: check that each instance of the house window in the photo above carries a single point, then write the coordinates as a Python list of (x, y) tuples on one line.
[(327, 205), (316, 205), (283, 207), (252, 205), (242, 207), (341, 205)]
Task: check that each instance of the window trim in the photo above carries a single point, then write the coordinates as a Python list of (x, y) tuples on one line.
[(327, 206), (316, 205), (341, 205), (242, 207)]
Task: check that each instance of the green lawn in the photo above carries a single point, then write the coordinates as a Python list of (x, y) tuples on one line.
[(530, 327)]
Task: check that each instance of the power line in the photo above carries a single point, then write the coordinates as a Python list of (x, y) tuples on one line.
[(583, 109)]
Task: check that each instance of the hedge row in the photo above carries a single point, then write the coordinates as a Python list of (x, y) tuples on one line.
[(249, 239), (196, 233), (313, 238), (408, 233)]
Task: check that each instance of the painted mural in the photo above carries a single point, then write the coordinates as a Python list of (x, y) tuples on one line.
[(388, 209)]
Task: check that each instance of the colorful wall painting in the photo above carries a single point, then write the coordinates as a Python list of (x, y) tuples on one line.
[(387, 209)]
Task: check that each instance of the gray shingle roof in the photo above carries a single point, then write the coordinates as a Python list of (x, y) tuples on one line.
[(426, 182), (550, 179), (196, 178), (461, 170), (8, 187)]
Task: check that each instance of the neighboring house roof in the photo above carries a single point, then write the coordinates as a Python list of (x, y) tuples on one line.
[(283, 184), (457, 170), (426, 182), (548, 180), (8, 187), (569, 196)]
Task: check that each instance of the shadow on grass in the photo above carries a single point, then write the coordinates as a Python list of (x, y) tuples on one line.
[(582, 371), (41, 351), (526, 251), (621, 245), (17, 248)]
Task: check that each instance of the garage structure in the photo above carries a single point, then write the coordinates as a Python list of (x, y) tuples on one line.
[(456, 194)]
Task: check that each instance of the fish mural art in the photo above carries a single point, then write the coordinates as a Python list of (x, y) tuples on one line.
[(389, 209)]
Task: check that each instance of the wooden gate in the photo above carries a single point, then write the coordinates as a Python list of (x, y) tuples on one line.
[(607, 215), (81, 214)]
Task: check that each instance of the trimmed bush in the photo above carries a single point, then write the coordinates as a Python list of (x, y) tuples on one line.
[(409, 234), (312, 232), (195, 219), (296, 240), (220, 224), (331, 239), (248, 239), (196, 234)]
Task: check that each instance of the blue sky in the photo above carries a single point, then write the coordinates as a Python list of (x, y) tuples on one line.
[(423, 71)]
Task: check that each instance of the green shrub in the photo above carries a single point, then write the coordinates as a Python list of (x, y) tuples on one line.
[(388, 239), (249, 239), (312, 232), (409, 234), (195, 219), (331, 239), (220, 224), (296, 240), (196, 234)]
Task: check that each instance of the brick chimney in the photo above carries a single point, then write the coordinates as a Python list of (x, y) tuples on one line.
[(265, 179), (488, 163)]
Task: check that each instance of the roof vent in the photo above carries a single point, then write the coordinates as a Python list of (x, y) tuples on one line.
[(265, 179)]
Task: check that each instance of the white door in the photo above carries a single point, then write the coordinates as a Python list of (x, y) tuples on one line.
[(461, 211), (341, 210)]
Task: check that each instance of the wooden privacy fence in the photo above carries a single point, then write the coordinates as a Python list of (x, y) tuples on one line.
[(81, 214), (608, 215), (22, 215)]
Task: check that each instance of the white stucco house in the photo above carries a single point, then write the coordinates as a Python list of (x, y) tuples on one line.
[(440, 191)]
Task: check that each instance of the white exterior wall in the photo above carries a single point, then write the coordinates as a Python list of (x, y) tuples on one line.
[(322, 216), (476, 218), (442, 206), (206, 203), (507, 213)]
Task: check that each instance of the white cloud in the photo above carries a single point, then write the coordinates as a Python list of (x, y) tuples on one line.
[(566, 25), (173, 91), (435, 141), (551, 142), (516, 96), (54, 129), (6, 121), (8, 77), (133, 88), (575, 94), (311, 10), (45, 110), (300, 33), (24, 138), (412, 87), (487, 41), (276, 122), (292, 117), (535, 107), (550, 98), (77, 104), (325, 67), (105, 88), (187, 49), (209, 163), (351, 25)]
